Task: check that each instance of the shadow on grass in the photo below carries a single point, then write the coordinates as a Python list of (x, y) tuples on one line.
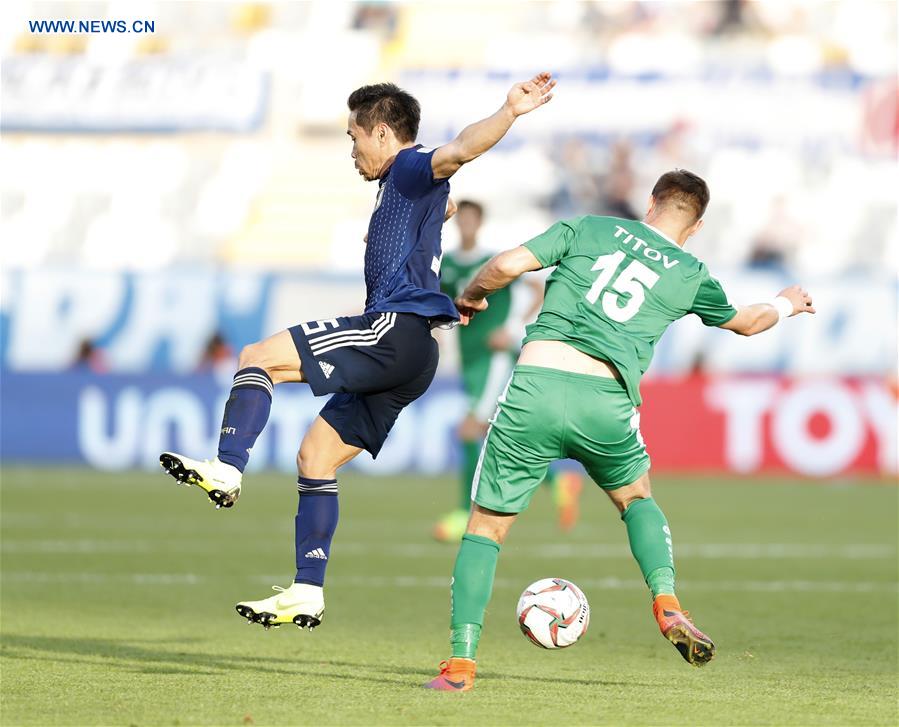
[(140, 657)]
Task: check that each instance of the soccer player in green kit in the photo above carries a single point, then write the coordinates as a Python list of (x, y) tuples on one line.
[(487, 350), (618, 284)]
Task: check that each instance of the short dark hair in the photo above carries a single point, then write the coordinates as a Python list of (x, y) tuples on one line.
[(389, 104), (468, 204), (683, 190)]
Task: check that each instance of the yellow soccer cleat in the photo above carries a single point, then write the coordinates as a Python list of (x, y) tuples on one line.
[(302, 604), (220, 481)]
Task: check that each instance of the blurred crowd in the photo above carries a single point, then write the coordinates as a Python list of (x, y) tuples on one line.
[(243, 160)]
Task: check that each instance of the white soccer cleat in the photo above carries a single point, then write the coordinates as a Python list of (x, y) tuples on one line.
[(220, 481), (301, 603)]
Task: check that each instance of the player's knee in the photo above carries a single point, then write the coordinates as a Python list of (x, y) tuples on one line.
[(489, 524), (313, 464), (625, 496), (252, 354)]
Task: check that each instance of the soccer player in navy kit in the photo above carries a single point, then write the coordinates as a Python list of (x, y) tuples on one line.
[(374, 364)]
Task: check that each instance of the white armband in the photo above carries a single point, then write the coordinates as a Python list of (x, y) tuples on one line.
[(783, 306)]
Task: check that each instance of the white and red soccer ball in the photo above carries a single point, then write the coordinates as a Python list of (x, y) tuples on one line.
[(553, 613)]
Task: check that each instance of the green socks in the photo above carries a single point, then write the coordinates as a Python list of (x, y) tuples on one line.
[(464, 640), (661, 581), (650, 539), (471, 589), (471, 452)]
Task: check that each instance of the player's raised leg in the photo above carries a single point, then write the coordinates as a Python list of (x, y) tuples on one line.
[(651, 545), (321, 454), (260, 366)]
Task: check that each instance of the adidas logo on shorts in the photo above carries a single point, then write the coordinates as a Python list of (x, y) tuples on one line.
[(317, 553), (327, 369)]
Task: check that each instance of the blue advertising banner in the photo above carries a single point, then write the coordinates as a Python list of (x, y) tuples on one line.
[(118, 422)]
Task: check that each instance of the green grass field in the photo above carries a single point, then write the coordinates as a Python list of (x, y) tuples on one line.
[(118, 593)]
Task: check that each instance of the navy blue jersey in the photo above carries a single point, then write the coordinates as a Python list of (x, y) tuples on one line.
[(402, 257)]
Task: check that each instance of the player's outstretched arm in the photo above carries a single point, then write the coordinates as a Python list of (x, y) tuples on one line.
[(759, 317), (497, 273), (477, 138)]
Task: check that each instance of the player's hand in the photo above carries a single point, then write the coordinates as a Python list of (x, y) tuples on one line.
[(500, 340), (468, 308), (799, 297), (529, 95)]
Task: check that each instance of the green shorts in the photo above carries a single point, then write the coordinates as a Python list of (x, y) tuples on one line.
[(547, 414)]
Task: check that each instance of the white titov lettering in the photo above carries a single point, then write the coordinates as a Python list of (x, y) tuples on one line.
[(648, 252)]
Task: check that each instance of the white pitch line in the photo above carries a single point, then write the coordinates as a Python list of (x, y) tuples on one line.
[(77, 546), (139, 579), (550, 551), (615, 584), (710, 551), (399, 581)]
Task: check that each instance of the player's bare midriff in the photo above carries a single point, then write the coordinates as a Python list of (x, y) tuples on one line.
[(561, 356)]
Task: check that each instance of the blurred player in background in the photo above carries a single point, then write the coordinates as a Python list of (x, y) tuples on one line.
[(487, 350), (617, 287), (375, 364)]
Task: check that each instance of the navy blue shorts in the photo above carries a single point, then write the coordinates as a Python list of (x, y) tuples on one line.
[(375, 365)]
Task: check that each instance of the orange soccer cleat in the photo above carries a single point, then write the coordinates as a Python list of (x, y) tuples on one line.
[(677, 626), (456, 675)]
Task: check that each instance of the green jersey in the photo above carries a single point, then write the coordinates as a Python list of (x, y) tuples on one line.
[(456, 271), (617, 286)]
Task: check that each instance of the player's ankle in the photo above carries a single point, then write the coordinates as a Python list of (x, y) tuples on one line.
[(303, 587), (463, 659), (227, 472), (666, 601)]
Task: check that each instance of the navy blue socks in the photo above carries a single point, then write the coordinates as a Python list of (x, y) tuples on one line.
[(246, 413), (315, 523)]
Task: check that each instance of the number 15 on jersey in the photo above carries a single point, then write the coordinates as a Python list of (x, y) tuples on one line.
[(634, 280)]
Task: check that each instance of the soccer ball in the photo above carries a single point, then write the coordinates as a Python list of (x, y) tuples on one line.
[(553, 613)]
